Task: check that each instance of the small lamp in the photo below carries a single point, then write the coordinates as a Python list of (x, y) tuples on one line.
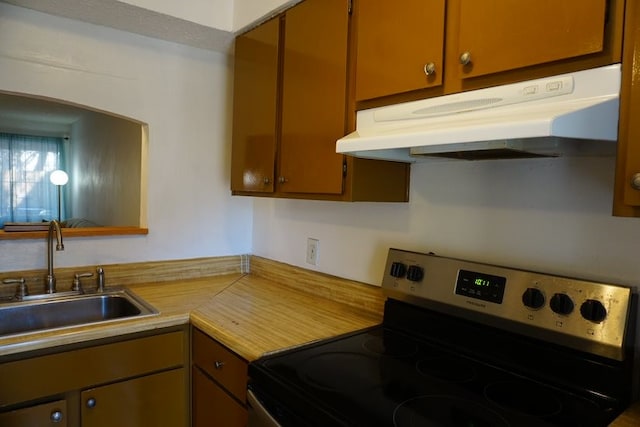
[(59, 178)]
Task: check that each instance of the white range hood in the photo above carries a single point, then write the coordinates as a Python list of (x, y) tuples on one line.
[(567, 114)]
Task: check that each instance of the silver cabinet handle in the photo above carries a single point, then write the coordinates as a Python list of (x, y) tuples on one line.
[(282, 180), (56, 416), (91, 402), (266, 180), (465, 58), (218, 364), (635, 181), (429, 69)]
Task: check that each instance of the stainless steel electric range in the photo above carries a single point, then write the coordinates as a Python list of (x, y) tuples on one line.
[(462, 344)]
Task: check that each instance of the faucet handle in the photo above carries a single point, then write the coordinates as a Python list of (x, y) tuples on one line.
[(77, 286), (21, 288), (9, 281)]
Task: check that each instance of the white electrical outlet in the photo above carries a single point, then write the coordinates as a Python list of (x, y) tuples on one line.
[(313, 245)]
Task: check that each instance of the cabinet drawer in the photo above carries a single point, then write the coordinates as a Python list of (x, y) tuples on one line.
[(220, 363), (75, 369), (46, 414)]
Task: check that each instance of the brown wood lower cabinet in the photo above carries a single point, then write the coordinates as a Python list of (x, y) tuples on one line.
[(45, 414), (139, 380), (152, 400), (213, 406), (219, 382)]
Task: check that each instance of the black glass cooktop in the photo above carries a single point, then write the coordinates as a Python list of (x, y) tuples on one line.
[(382, 378), (461, 344)]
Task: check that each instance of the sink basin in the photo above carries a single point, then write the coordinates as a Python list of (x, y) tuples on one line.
[(51, 312)]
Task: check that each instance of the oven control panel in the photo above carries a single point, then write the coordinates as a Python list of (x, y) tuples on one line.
[(583, 314)]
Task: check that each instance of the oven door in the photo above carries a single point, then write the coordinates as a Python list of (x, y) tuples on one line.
[(258, 414), (269, 409)]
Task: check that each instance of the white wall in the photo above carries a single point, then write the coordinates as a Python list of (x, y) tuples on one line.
[(550, 215), (182, 93)]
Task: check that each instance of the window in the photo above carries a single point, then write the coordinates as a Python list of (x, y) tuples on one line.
[(26, 194)]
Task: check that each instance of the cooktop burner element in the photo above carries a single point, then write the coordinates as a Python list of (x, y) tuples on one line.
[(445, 411), (391, 345), (348, 370), (463, 345)]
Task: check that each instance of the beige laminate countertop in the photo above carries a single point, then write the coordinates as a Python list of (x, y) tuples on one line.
[(257, 316), (249, 314)]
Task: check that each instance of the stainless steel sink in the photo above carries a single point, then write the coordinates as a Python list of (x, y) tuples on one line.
[(58, 311)]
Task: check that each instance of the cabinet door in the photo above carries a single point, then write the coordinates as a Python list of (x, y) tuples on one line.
[(502, 35), (254, 108), (46, 414), (212, 406), (626, 200), (396, 45), (157, 400), (313, 97)]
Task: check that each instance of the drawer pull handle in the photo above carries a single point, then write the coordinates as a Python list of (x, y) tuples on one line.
[(91, 402), (56, 416), (218, 364)]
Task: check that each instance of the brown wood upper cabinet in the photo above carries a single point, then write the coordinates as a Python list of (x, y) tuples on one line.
[(292, 102), (626, 198), (400, 47), (314, 88), (254, 109), (502, 35)]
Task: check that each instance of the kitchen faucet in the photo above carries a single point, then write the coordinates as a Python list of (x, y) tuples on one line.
[(50, 281)]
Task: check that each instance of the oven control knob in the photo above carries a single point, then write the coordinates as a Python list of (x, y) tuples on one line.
[(398, 269), (593, 310), (415, 273), (561, 304), (533, 298)]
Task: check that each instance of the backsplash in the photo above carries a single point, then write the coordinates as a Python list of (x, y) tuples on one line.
[(128, 274)]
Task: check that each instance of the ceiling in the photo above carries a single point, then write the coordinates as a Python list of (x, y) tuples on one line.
[(127, 17)]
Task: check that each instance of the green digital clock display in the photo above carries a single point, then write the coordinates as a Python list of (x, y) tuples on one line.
[(481, 282), (486, 287)]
